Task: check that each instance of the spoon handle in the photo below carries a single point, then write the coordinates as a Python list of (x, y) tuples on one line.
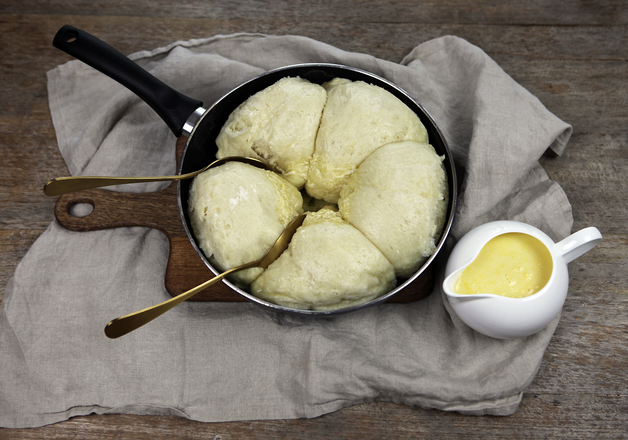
[(64, 185), (127, 323)]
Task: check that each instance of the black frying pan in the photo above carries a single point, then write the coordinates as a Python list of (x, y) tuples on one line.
[(186, 116)]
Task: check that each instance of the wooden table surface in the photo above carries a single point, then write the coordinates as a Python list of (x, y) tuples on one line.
[(571, 54)]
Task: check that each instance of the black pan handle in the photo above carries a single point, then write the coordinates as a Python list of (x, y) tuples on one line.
[(173, 107)]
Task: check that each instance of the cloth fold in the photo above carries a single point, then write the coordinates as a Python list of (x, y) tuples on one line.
[(235, 361)]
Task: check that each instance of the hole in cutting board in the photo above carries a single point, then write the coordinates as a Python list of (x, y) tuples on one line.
[(81, 210)]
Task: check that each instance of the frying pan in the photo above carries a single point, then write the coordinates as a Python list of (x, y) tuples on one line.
[(187, 117)]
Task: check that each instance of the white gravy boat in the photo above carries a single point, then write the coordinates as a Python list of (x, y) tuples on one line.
[(503, 317)]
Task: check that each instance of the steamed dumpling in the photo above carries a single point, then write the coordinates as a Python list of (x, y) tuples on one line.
[(277, 125), (358, 118), (398, 199), (237, 211), (329, 265)]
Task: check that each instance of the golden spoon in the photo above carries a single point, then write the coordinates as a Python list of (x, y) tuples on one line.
[(64, 185), (126, 324)]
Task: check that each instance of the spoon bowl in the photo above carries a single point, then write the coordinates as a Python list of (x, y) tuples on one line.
[(126, 324), (64, 185)]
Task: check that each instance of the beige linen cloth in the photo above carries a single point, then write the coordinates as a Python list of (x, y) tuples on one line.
[(237, 361)]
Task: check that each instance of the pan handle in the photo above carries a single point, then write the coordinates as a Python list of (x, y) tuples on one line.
[(173, 107)]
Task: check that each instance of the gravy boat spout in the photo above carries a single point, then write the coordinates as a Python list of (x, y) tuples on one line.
[(450, 283)]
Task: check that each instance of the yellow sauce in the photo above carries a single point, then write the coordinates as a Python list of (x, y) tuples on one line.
[(514, 265)]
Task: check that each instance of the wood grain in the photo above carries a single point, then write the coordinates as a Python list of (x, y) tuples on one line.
[(571, 54)]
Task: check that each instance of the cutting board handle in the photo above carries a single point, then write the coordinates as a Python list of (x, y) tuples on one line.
[(114, 210)]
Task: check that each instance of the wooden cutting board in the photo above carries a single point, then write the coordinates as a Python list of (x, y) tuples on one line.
[(159, 210)]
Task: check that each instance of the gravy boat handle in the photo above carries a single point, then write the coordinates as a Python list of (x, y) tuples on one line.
[(579, 243)]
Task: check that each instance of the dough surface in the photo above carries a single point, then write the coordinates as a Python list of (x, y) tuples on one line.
[(358, 118), (329, 265), (277, 125), (398, 199), (344, 142), (237, 211)]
